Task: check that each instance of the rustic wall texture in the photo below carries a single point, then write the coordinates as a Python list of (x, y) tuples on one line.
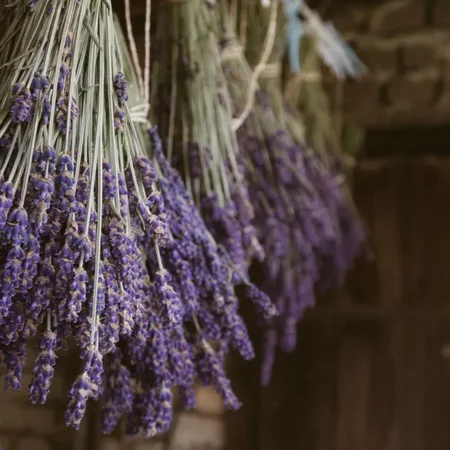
[(24, 426), (406, 45)]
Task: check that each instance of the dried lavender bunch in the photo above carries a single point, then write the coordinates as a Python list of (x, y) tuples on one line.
[(201, 274), (302, 215), (100, 240), (325, 164), (191, 106)]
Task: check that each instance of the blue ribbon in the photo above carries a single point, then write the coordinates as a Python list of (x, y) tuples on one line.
[(295, 32)]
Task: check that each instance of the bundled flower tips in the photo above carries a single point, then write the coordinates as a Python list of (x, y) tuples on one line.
[(100, 239), (303, 216)]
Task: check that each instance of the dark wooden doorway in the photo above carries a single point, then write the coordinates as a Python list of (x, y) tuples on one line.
[(370, 370)]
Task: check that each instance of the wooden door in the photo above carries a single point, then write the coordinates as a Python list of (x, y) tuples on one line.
[(370, 371)]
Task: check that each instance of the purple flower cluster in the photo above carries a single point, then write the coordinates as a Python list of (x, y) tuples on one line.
[(120, 84), (21, 107), (159, 274), (303, 219), (198, 133), (102, 246)]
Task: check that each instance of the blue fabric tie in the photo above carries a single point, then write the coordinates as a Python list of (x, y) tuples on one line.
[(294, 32)]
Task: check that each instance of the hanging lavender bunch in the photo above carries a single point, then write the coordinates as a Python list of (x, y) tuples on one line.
[(191, 106), (200, 272), (302, 215), (99, 239)]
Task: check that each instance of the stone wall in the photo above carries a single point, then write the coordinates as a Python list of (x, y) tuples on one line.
[(24, 426), (202, 429), (406, 46)]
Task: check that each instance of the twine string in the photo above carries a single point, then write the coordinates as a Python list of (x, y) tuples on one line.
[(132, 44), (232, 51), (272, 70), (268, 46)]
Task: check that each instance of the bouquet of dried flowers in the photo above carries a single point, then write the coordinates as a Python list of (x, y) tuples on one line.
[(302, 215), (101, 243), (191, 105)]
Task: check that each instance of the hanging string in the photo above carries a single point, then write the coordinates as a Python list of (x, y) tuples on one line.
[(148, 12), (139, 113), (132, 44), (268, 46)]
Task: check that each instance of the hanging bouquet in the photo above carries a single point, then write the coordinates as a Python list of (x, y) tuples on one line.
[(191, 105), (101, 243), (302, 215)]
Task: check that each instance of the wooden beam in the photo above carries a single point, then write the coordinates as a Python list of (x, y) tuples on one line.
[(377, 312)]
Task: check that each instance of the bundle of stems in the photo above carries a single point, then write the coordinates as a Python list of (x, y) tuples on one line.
[(337, 143), (302, 216), (101, 244), (191, 106)]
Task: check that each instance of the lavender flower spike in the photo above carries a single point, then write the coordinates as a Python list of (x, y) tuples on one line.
[(43, 369)]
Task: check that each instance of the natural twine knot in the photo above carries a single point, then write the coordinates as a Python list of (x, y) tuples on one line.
[(272, 70), (308, 76), (233, 50)]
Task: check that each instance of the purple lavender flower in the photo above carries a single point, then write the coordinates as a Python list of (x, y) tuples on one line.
[(211, 373), (43, 286), (126, 260), (180, 360), (78, 396), (15, 230), (77, 296), (46, 111), (43, 369), (64, 265), (121, 87), (182, 280), (187, 395), (262, 302), (160, 422), (62, 115), (39, 83), (157, 351), (86, 385), (14, 358), (64, 201), (63, 71), (151, 412), (6, 201), (110, 318), (168, 298), (12, 325), (31, 260), (147, 171), (21, 107), (155, 225), (118, 394), (109, 182), (5, 140), (119, 120), (43, 189), (94, 372), (198, 158)]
